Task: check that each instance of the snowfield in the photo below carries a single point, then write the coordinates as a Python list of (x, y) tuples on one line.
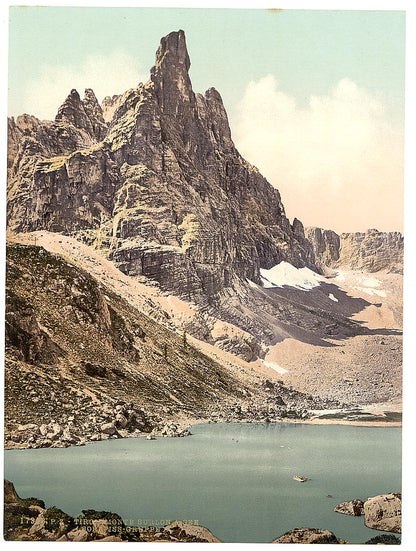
[(285, 274), (361, 282)]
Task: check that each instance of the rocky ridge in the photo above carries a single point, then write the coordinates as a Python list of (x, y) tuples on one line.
[(371, 251), (153, 181)]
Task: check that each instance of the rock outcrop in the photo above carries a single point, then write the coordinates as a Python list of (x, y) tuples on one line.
[(29, 520), (384, 512), (326, 246), (84, 114), (354, 507), (183, 531), (10, 494), (371, 251), (161, 186), (307, 536)]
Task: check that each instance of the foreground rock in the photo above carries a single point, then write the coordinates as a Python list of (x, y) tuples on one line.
[(384, 512), (386, 539), (29, 520), (354, 508), (307, 535), (181, 530)]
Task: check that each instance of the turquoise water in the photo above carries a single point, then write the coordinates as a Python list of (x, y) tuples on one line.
[(235, 479)]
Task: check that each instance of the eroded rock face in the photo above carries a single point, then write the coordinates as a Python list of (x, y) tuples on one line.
[(326, 245), (162, 186), (86, 115), (371, 251), (384, 512), (307, 535), (10, 494)]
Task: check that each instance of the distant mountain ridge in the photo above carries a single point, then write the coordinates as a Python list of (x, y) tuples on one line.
[(371, 251)]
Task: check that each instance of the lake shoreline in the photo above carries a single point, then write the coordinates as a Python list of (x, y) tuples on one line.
[(187, 424)]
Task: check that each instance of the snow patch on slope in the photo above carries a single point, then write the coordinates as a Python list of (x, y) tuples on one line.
[(276, 367), (285, 274), (370, 291), (361, 282)]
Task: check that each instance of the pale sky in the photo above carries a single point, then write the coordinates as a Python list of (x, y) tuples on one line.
[(315, 98)]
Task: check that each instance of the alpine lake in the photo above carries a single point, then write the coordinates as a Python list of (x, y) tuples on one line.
[(234, 479)]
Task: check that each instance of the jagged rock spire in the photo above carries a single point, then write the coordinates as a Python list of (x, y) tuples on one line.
[(170, 75), (72, 111), (91, 105), (84, 114), (95, 114)]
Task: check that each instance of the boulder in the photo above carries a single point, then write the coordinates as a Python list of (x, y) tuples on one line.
[(121, 420), (54, 431), (108, 428), (100, 527), (384, 512), (307, 535), (354, 507), (10, 494), (32, 427), (68, 437), (43, 429), (183, 531), (78, 534), (38, 526)]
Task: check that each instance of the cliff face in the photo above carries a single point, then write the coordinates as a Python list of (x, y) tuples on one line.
[(369, 252), (326, 245), (161, 186), (372, 251)]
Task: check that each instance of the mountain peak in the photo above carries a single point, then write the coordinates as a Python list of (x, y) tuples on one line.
[(173, 49), (170, 74), (72, 111)]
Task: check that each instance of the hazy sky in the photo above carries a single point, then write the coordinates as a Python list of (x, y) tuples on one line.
[(315, 98)]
